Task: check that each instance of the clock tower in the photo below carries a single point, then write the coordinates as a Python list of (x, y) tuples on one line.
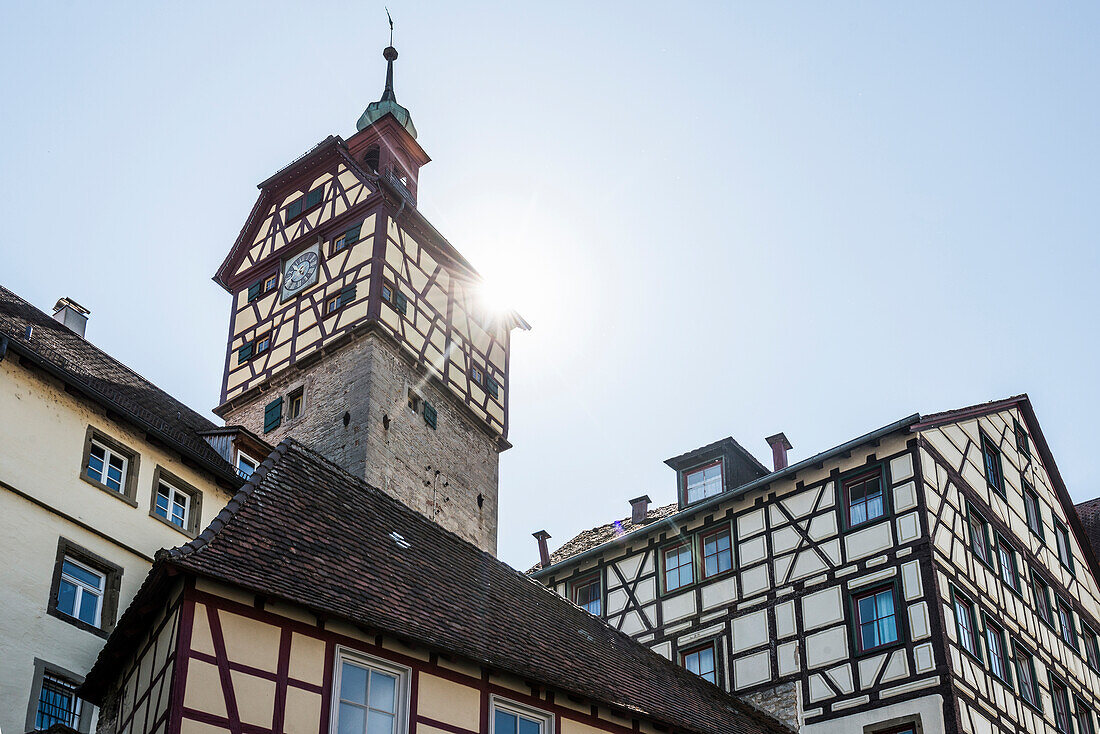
[(359, 330)]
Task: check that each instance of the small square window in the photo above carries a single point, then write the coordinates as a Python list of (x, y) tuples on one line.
[(513, 718), (678, 568), (586, 594), (1065, 552), (246, 465), (109, 465), (295, 403), (476, 374), (387, 292), (964, 624), (703, 482), (992, 457), (270, 282), (261, 344), (1031, 509), (371, 695), (57, 702), (414, 401), (175, 502), (702, 661), (717, 553), (876, 619), (84, 589), (864, 498), (1025, 673)]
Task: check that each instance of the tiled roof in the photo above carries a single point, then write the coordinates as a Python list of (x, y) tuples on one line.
[(588, 539), (102, 377), (312, 534), (1089, 512)]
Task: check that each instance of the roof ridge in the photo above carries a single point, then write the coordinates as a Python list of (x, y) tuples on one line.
[(227, 513)]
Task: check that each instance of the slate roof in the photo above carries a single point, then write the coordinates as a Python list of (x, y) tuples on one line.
[(312, 534), (78, 362)]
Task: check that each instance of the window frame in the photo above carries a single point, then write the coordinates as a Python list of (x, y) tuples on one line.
[(112, 579), (1023, 441), (244, 454), (1061, 605), (1079, 707), (1031, 496), (1046, 611), (477, 374), (370, 662), (41, 670), (297, 396), (342, 239), (584, 582), (398, 301), (1002, 645), (499, 703), (1020, 650), (259, 288), (971, 514), (702, 537), (1054, 699), (684, 474), (1091, 645), (854, 598), (128, 493), (1060, 532), (958, 597), (988, 447), (695, 648), (194, 505), (664, 551), (846, 481), (1003, 545)]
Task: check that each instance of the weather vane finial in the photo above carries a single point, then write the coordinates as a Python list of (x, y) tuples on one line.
[(390, 18)]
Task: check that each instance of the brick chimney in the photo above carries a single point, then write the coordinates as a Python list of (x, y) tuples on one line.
[(544, 553), (639, 506), (780, 446), (72, 314)]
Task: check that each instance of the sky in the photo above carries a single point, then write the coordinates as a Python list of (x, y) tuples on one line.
[(721, 219)]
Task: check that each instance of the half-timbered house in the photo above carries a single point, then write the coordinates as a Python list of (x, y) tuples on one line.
[(315, 603), (930, 576)]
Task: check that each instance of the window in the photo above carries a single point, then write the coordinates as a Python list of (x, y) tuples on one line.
[(1092, 648), (394, 297), (1022, 444), (296, 401), (864, 498), (1006, 558), (511, 718), (678, 567), (1060, 698), (995, 644), (706, 481), (80, 592), (109, 465), (254, 348), (964, 621), (979, 536), (876, 619), (717, 553), (57, 702), (1042, 599), (1025, 673), (84, 589), (341, 299), (1031, 508), (992, 458), (1061, 535), (476, 374), (1065, 624), (430, 416), (303, 204), (246, 465), (371, 696), (414, 401), (1084, 718), (700, 660), (346, 239), (586, 594), (175, 502), (273, 415), (262, 287)]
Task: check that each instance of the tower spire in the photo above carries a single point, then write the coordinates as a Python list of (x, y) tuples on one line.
[(388, 102)]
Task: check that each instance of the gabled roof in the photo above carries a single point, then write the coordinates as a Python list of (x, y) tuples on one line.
[(602, 533), (309, 533), (71, 358)]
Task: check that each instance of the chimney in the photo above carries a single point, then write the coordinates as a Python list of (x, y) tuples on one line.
[(639, 506), (544, 552), (72, 314), (780, 446)]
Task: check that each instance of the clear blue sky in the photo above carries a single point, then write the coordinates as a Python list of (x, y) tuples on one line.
[(721, 219)]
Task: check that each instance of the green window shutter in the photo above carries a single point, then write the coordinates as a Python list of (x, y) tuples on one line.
[(347, 295), (492, 386), (254, 290), (273, 415), (313, 198), (401, 302), (429, 414), (244, 352), (352, 235), (294, 209)]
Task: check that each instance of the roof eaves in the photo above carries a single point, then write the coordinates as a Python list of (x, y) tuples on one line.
[(737, 492)]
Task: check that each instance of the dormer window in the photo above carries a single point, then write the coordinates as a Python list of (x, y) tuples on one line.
[(706, 481)]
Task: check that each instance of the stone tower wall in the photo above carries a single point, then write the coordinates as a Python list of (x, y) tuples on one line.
[(439, 472)]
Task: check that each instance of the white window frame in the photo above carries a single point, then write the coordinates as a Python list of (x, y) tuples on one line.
[(82, 588), (496, 703), (243, 455), (107, 454), (171, 504), (355, 657), (703, 485)]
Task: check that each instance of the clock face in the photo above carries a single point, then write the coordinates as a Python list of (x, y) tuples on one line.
[(300, 271)]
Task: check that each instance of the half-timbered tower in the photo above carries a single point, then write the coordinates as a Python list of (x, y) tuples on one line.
[(931, 576), (359, 330), (315, 603)]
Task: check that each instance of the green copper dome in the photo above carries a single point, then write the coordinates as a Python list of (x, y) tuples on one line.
[(388, 104)]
